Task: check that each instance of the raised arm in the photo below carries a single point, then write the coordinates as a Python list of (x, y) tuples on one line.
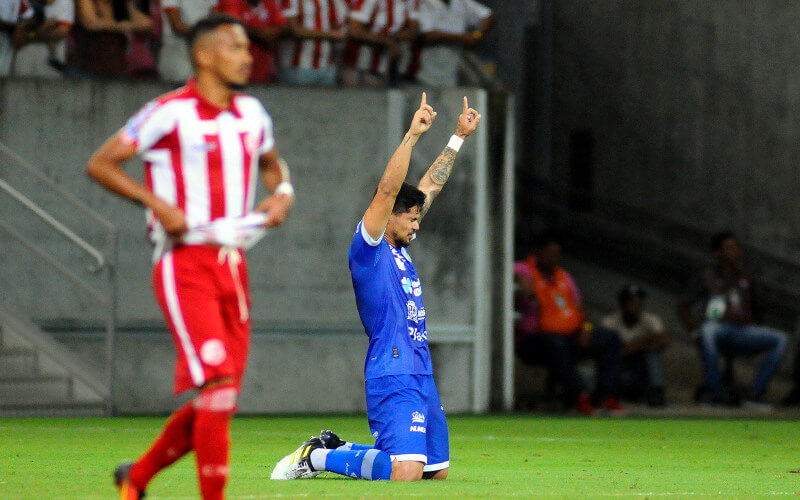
[(377, 215), (434, 179)]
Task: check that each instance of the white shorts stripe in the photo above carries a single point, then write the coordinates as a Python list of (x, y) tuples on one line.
[(173, 305), (436, 467), (410, 457)]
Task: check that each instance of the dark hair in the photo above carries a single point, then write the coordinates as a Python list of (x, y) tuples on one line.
[(210, 23), (719, 238), (408, 198), (629, 291), (545, 238)]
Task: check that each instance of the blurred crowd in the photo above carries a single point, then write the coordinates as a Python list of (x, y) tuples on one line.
[(369, 43), (719, 309)]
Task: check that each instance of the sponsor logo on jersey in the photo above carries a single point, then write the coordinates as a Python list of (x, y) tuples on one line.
[(417, 286), (413, 314), (415, 334), (417, 428), (417, 418), (406, 284), (421, 314)]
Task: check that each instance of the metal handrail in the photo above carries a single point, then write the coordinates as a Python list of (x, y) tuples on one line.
[(103, 260), (52, 222)]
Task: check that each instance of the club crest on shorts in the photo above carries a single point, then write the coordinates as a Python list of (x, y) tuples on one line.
[(212, 352)]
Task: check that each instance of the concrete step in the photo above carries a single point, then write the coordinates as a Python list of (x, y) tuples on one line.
[(64, 409), (16, 362), (35, 390)]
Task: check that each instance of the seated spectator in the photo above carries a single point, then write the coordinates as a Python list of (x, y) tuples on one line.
[(308, 57), (13, 14), (265, 24), (102, 35), (722, 305), (41, 46), (643, 342), (553, 330), (448, 28), (372, 45), (178, 17)]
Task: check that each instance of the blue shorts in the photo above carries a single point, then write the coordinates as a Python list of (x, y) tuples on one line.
[(407, 420)]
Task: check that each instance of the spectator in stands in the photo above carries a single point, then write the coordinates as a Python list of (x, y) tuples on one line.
[(375, 28), (102, 35), (178, 17), (13, 13), (722, 306), (41, 46), (553, 330), (265, 24), (308, 57), (448, 28), (643, 342)]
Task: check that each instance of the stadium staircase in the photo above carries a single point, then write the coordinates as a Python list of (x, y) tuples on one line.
[(40, 376)]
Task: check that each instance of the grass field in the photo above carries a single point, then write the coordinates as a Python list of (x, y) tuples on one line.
[(502, 456)]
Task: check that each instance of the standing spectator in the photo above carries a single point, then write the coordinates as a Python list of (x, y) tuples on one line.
[(12, 12), (448, 27), (178, 17), (723, 304), (309, 56), (643, 342), (265, 23), (372, 45), (102, 34), (42, 48), (553, 330), (405, 68)]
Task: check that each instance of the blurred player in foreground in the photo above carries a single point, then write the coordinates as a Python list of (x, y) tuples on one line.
[(203, 147), (405, 414)]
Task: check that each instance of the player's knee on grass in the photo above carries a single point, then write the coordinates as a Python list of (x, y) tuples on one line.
[(437, 474), (407, 471)]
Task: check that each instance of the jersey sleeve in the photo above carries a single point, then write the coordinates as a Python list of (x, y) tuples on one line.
[(291, 8), (363, 10), (148, 126), (268, 139), (476, 12), (364, 249)]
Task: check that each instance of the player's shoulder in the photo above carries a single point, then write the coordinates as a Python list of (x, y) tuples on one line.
[(247, 104)]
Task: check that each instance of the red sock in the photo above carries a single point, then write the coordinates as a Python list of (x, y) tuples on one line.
[(174, 442), (211, 439)]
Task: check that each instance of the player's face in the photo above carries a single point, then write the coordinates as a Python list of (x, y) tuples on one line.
[(402, 227), (232, 59), (729, 251), (549, 256), (633, 307)]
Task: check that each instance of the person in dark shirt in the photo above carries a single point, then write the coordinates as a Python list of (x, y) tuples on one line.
[(722, 306)]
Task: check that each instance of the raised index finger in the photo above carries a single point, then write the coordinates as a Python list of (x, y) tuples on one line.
[(424, 101), (466, 105)]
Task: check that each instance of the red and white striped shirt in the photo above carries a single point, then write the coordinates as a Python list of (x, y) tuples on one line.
[(319, 15), (386, 17), (200, 158)]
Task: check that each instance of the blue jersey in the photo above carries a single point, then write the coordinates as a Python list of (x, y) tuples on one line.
[(389, 300)]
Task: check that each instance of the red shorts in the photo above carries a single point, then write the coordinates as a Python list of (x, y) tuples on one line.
[(202, 291)]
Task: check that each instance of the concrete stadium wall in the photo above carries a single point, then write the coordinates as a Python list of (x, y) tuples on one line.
[(337, 144), (693, 106)]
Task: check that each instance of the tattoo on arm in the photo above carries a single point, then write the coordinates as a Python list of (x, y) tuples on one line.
[(438, 175)]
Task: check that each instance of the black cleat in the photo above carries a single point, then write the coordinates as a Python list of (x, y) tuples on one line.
[(330, 440), (127, 491)]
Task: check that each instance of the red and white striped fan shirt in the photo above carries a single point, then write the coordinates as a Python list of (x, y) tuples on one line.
[(198, 157), (386, 17), (320, 15)]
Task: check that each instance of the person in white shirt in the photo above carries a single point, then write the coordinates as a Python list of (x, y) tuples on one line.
[(12, 14), (178, 17), (42, 50), (643, 342), (448, 27)]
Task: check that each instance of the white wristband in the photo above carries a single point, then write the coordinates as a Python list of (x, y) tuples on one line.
[(455, 143), (284, 188)]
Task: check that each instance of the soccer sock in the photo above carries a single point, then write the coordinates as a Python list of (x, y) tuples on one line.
[(355, 446), (174, 442), (361, 464), (211, 439)]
